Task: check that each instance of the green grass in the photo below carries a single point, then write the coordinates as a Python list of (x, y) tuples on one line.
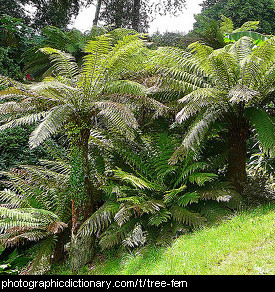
[(243, 244)]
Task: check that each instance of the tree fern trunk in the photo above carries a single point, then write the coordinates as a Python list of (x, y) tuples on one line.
[(82, 248), (236, 172)]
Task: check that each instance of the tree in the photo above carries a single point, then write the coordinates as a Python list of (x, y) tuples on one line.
[(13, 8), (136, 14), (233, 86), (97, 11), (44, 12), (242, 11), (80, 100)]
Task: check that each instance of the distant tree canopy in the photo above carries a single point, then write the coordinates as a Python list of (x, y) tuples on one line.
[(135, 14), (45, 12), (241, 12)]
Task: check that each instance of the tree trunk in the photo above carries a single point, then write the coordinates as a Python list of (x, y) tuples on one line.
[(119, 14), (82, 247), (98, 6), (236, 172), (136, 15)]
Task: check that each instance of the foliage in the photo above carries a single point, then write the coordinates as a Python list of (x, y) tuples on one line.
[(92, 96), (241, 12), (14, 149), (36, 208), (15, 37), (170, 39), (154, 201), (121, 13), (14, 263), (38, 13), (231, 85), (69, 41)]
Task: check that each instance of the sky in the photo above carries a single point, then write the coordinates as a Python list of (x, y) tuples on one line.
[(182, 23)]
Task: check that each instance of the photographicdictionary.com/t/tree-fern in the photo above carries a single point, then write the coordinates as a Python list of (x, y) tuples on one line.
[(76, 100), (233, 85)]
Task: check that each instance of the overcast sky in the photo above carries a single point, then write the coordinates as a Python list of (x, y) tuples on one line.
[(182, 23)]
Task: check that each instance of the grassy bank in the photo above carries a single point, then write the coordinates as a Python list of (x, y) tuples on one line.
[(244, 244)]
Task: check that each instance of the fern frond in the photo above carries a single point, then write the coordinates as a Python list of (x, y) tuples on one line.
[(199, 99), (63, 63), (100, 219), (26, 120), (118, 118), (42, 261), (195, 134), (50, 125), (201, 178), (183, 215), (160, 217), (171, 195), (219, 191), (137, 182), (264, 128), (242, 48), (136, 237)]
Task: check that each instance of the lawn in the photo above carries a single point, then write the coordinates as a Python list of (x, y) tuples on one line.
[(241, 245)]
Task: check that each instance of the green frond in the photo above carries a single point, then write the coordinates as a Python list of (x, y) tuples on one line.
[(200, 178), (188, 198), (213, 210), (63, 63), (200, 51), (42, 261), (172, 195), (248, 25), (26, 120), (227, 25), (242, 93), (100, 219), (218, 191), (136, 237), (264, 127), (252, 72), (118, 118), (57, 89), (123, 214), (199, 99), (160, 217), (116, 234), (120, 60), (50, 125), (11, 199), (265, 51), (135, 181), (242, 48), (125, 87), (195, 134), (183, 215)]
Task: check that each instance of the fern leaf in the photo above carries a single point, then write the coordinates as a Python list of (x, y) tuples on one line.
[(160, 217), (264, 128), (183, 215), (99, 220), (51, 124)]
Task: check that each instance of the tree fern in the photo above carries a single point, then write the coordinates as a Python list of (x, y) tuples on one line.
[(153, 195), (227, 83)]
